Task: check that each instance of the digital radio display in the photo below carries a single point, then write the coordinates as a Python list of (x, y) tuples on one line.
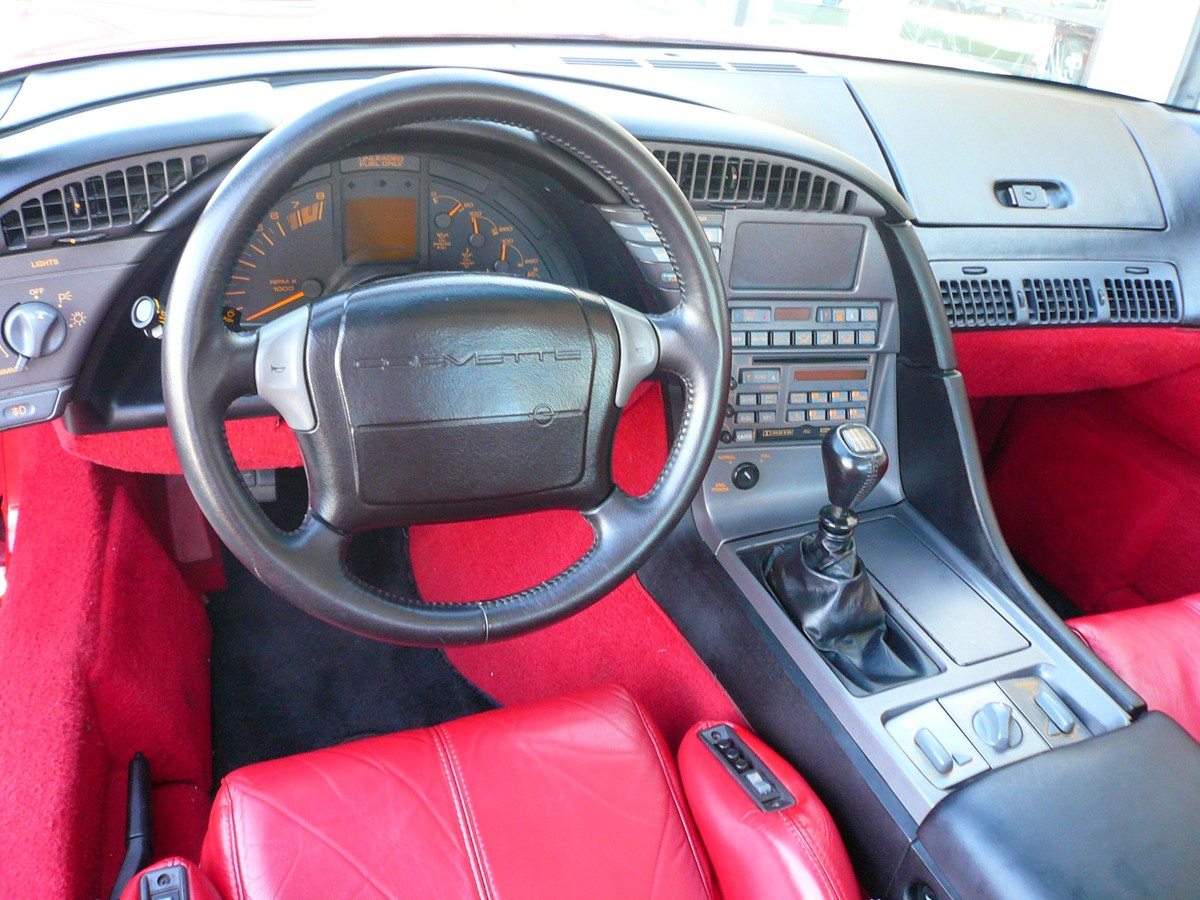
[(829, 375)]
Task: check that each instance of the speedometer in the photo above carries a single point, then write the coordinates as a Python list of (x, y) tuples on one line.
[(286, 261)]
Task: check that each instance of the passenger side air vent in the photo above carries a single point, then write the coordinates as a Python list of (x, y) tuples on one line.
[(89, 204), (978, 302), (729, 178), (988, 294), (1060, 301), (1142, 300)]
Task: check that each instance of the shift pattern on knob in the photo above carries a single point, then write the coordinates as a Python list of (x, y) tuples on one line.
[(34, 329), (855, 462)]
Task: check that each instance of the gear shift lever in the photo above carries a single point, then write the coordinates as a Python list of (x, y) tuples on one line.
[(855, 462), (822, 585)]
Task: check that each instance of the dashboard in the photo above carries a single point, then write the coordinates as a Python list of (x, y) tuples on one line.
[(793, 163)]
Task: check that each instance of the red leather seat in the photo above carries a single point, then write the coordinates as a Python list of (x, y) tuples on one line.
[(1156, 649), (572, 797)]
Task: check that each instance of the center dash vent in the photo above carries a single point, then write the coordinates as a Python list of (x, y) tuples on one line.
[(1059, 301), (733, 179), (978, 302), (1142, 299)]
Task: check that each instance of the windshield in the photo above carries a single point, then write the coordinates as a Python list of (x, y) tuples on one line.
[(1134, 47)]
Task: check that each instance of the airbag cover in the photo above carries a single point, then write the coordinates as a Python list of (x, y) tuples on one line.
[(487, 378)]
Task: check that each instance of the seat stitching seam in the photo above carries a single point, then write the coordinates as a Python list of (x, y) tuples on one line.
[(674, 798), (818, 864), (472, 819), (459, 812), (231, 837)]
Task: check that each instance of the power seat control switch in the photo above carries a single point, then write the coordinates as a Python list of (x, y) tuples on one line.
[(767, 791), (167, 883)]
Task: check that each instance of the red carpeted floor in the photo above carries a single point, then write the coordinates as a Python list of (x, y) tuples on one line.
[(1091, 443), (104, 644), (624, 638), (103, 652)]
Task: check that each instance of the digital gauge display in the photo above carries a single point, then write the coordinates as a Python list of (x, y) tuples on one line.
[(380, 229)]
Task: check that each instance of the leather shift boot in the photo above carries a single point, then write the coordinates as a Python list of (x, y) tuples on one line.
[(823, 587)]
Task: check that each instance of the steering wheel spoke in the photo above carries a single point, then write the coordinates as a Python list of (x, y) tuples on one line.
[(279, 372)]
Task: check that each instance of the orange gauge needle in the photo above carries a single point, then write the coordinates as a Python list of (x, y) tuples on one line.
[(274, 306)]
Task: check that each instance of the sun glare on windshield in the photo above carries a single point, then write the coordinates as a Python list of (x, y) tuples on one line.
[(1133, 47)]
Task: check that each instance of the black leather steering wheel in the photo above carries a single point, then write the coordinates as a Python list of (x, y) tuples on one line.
[(442, 397)]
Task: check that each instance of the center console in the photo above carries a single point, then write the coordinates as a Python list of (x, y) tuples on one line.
[(990, 754), (817, 344)]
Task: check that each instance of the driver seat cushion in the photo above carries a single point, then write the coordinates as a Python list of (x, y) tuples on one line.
[(576, 796), (1156, 649)]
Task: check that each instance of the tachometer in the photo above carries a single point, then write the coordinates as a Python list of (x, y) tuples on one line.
[(468, 236), (285, 259)]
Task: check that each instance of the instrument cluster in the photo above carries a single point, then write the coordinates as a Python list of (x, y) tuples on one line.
[(380, 215)]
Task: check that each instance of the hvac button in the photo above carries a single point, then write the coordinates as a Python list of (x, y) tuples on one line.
[(745, 476), (32, 408)]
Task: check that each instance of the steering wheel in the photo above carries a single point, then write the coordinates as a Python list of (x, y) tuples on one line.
[(440, 397)]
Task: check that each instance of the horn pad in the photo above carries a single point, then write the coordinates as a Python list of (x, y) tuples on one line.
[(464, 394)]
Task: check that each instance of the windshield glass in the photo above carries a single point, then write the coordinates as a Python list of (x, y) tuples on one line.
[(1134, 47)]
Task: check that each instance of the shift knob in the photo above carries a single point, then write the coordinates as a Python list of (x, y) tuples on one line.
[(855, 462)]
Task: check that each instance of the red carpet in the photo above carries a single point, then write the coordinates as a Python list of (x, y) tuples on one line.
[(624, 638), (103, 652), (1095, 471)]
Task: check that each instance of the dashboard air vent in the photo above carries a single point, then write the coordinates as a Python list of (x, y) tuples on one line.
[(609, 61), (772, 68), (1058, 301), (90, 203), (1142, 299), (705, 65), (978, 302), (732, 179)]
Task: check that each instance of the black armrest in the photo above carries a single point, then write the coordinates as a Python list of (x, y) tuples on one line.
[(1114, 816)]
